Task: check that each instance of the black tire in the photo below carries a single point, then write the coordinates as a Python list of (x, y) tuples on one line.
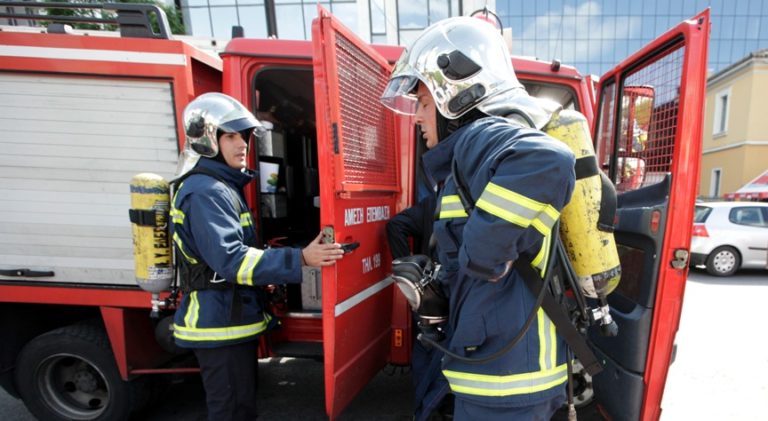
[(723, 261), (70, 374)]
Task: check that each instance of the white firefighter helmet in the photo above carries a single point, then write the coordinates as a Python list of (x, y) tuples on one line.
[(463, 61), (205, 118)]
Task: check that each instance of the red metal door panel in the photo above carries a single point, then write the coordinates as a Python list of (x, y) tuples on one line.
[(358, 163), (648, 131)]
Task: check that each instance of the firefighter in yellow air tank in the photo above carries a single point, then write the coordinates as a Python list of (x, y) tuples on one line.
[(505, 188)]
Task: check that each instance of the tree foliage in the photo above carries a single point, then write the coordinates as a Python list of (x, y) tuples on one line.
[(175, 21)]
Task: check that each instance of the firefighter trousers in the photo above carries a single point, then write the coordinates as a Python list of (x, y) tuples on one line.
[(465, 410), (230, 377)]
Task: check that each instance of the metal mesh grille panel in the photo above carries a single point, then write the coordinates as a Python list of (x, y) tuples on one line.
[(650, 102), (368, 138), (605, 126)]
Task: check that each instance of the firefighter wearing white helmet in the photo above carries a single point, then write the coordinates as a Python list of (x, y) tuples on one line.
[(502, 185), (220, 264)]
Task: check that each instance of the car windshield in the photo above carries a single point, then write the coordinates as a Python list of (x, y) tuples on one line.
[(702, 212)]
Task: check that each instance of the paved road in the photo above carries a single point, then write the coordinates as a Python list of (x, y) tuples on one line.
[(289, 390), (721, 370)]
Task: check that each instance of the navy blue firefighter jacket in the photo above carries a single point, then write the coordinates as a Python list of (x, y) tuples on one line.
[(212, 225), (519, 180)]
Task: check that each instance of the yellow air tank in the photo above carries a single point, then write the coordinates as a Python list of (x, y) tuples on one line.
[(588, 240), (149, 222)]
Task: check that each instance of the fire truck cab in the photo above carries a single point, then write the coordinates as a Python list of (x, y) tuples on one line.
[(81, 115)]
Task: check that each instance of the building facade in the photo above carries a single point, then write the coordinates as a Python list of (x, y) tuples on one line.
[(592, 35), (394, 22), (735, 148)]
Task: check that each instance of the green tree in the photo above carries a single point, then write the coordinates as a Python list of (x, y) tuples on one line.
[(83, 13), (175, 21)]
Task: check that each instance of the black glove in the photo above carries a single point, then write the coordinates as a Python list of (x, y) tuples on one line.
[(414, 276), (412, 268)]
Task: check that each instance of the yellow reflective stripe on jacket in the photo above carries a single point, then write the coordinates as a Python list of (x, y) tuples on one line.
[(245, 219), (451, 207), (517, 209), (515, 384), (180, 245), (245, 272), (177, 216), (193, 310), (541, 260), (220, 333), (547, 341)]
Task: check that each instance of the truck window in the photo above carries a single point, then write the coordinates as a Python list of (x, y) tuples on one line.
[(560, 94)]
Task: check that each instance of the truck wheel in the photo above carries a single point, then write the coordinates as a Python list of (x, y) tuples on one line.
[(723, 261), (70, 374)]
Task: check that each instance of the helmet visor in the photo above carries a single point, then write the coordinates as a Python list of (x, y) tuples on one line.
[(399, 95), (240, 124)]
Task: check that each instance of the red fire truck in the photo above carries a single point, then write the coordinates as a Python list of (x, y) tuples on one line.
[(80, 115)]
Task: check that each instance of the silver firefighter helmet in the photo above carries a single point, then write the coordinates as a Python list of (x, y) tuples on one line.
[(204, 118), (463, 61)]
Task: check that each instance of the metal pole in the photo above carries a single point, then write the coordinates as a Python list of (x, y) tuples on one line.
[(269, 9)]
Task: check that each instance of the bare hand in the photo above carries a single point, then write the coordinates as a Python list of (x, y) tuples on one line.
[(319, 254)]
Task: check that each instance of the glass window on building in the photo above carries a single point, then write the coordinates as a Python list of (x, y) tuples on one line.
[(378, 17), (346, 11), (722, 100), (222, 19), (593, 35), (415, 15), (714, 183), (616, 29), (198, 21), (412, 14), (253, 20), (292, 12)]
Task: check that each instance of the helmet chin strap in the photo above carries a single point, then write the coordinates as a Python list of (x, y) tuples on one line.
[(445, 126)]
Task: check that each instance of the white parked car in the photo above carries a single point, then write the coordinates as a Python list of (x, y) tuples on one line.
[(728, 236)]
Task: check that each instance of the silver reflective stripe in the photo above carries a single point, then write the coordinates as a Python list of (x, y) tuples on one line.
[(356, 299), (547, 350), (517, 384), (547, 220), (251, 259), (509, 205), (190, 319), (517, 209), (177, 215), (451, 207)]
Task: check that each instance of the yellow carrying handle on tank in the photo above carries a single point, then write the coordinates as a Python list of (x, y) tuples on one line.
[(586, 234)]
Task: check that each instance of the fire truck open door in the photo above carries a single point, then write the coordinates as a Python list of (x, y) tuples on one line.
[(358, 160), (648, 140)]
